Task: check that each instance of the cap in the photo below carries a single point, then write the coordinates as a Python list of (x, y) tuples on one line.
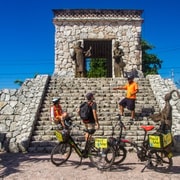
[(89, 96), (55, 99), (130, 77)]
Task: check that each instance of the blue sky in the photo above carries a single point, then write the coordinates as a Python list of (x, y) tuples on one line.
[(27, 34)]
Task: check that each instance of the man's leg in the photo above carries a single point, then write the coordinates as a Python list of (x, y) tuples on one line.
[(131, 107), (132, 114), (63, 117), (122, 105), (121, 109)]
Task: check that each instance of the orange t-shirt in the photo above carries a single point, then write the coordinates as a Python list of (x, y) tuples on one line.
[(131, 89), (56, 111)]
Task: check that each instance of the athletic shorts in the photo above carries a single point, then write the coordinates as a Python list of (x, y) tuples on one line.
[(89, 125), (129, 103)]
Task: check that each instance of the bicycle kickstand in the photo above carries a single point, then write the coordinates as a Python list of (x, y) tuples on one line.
[(148, 162), (144, 168), (80, 162)]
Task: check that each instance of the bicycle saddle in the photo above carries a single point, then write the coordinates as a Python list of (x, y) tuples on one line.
[(90, 131), (148, 128)]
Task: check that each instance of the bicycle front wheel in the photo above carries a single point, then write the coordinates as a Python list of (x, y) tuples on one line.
[(160, 160), (102, 158), (61, 153), (120, 154)]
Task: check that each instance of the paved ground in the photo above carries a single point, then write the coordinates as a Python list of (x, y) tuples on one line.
[(38, 166)]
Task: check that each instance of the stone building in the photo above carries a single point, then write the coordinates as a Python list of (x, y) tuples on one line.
[(99, 29), (24, 112)]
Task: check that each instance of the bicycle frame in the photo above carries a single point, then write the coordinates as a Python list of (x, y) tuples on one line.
[(158, 159), (141, 149), (79, 151), (100, 154), (74, 145)]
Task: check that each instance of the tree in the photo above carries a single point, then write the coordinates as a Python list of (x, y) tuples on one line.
[(150, 62), (97, 68), (20, 82)]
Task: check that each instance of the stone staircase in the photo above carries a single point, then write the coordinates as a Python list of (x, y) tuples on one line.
[(72, 92)]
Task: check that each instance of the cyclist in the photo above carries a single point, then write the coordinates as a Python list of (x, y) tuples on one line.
[(57, 114), (92, 122)]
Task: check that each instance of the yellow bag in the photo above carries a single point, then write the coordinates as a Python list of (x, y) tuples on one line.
[(160, 140)]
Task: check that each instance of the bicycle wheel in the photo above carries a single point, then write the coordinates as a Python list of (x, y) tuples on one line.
[(61, 153), (101, 158), (160, 160), (120, 154)]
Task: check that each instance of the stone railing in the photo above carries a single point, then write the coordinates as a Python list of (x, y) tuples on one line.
[(18, 113)]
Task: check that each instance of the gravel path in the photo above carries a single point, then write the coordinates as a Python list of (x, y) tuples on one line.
[(38, 166)]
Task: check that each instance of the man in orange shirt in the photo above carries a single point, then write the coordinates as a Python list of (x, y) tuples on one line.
[(129, 100), (57, 114)]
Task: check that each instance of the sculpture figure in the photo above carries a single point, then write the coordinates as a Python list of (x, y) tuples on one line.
[(118, 61), (78, 56), (165, 116)]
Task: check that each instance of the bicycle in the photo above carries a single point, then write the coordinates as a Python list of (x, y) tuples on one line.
[(100, 154), (156, 158)]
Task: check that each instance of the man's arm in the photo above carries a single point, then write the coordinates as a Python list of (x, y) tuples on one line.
[(52, 113), (94, 110), (120, 88)]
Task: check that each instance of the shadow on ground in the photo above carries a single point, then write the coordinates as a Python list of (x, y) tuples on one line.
[(9, 162)]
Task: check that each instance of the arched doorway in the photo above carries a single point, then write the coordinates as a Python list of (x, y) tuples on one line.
[(101, 51)]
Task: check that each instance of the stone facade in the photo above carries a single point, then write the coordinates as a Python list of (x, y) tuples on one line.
[(18, 113), (79, 25)]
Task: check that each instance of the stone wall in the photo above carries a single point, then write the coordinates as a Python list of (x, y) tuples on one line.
[(18, 113), (160, 88), (78, 25)]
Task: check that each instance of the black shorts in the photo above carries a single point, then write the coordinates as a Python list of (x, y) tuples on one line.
[(129, 103)]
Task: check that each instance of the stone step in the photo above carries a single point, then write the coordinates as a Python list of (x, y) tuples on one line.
[(72, 93)]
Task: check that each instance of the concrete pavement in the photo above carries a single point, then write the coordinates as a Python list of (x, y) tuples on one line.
[(38, 166)]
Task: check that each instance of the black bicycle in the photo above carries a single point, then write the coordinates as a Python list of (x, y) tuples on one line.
[(156, 157), (100, 154)]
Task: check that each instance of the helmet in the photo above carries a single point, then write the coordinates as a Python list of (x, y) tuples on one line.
[(89, 96), (55, 99)]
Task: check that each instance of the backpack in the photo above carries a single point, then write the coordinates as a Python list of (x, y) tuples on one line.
[(85, 111)]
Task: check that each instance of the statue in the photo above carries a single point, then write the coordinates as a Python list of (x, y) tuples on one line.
[(165, 116), (78, 57), (118, 61)]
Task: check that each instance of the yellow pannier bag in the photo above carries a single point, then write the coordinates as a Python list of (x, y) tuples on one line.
[(101, 143), (159, 140)]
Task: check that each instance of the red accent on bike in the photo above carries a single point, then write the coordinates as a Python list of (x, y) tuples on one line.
[(147, 128), (125, 141)]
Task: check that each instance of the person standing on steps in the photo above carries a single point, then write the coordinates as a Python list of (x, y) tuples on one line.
[(129, 101), (92, 122), (57, 114)]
